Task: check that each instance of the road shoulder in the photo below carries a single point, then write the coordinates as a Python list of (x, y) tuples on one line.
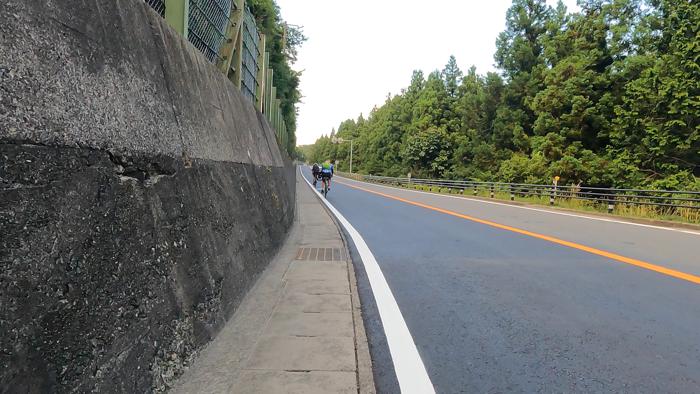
[(659, 223)]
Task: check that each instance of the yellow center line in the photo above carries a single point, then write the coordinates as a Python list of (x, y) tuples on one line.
[(613, 256)]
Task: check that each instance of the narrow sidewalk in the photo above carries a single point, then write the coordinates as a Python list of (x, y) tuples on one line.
[(299, 330)]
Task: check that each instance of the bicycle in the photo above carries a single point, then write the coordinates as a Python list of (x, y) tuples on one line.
[(324, 190)]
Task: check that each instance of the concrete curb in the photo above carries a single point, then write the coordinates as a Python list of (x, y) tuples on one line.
[(365, 375)]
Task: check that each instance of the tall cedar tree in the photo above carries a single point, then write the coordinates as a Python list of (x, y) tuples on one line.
[(608, 96)]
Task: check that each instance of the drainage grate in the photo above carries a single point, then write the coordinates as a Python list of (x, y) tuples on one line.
[(321, 254)]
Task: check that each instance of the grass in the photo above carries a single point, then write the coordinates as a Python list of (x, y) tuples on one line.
[(680, 215)]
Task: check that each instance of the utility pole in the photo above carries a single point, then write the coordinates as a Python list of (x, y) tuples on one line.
[(339, 140)]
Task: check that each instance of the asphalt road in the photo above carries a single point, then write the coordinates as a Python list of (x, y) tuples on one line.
[(492, 310)]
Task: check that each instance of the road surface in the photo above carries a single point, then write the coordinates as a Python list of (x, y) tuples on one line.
[(499, 298)]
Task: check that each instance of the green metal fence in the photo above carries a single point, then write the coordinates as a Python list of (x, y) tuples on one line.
[(226, 33), (158, 6), (208, 20), (250, 56)]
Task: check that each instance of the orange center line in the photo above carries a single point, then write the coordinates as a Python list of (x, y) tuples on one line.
[(613, 256)]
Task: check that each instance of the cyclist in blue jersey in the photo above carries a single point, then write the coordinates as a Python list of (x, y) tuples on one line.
[(327, 173)]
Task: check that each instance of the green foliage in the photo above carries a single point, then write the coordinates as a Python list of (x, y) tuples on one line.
[(427, 153), (608, 96), (523, 169), (658, 120), (301, 153), (282, 42)]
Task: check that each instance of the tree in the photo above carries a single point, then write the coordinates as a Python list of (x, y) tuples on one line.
[(451, 76), (428, 152), (433, 105), (519, 54), (658, 120), (282, 42), (518, 48), (608, 96)]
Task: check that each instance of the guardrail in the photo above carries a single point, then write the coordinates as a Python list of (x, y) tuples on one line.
[(227, 35), (609, 197)]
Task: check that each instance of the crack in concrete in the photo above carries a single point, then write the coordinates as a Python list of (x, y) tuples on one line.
[(148, 172)]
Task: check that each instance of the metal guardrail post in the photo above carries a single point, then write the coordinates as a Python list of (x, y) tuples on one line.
[(491, 190), (552, 195), (177, 15), (611, 205), (512, 193)]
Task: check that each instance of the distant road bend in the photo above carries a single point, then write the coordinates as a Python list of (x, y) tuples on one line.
[(502, 298)]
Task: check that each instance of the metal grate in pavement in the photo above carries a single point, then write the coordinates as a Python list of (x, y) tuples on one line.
[(321, 254)]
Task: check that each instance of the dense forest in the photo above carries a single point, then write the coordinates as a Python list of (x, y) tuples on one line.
[(607, 96), (282, 42)]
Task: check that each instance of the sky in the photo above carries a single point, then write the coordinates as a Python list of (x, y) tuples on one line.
[(360, 51)]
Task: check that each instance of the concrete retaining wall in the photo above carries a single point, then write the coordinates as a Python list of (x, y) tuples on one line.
[(140, 197)]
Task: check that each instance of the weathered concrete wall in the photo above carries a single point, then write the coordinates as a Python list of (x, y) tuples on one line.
[(112, 75), (140, 197)]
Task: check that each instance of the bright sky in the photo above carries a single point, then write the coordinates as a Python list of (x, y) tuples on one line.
[(359, 51)]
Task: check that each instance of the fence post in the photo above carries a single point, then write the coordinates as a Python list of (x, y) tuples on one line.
[(491, 190), (286, 136), (278, 113), (237, 58), (269, 82), (512, 193), (177, 15), (233, 33), (262, 74), (273, 96), (476, 189), (274, 114)]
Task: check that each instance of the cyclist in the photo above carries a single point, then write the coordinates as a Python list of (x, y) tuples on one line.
[(327, 172), (316, 172)]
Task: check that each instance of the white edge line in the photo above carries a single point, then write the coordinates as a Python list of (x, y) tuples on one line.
[(533, 209), (410, 371)]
